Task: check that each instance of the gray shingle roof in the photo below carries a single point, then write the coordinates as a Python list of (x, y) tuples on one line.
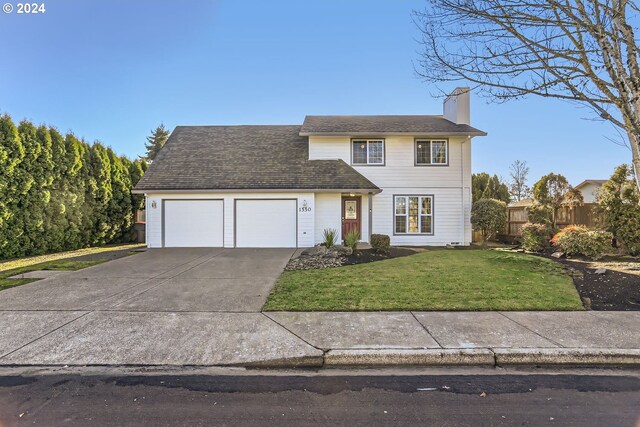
[(381, 125), (245, 158)]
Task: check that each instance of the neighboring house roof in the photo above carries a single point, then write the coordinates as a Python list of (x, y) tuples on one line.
[(591, 181), (245, 158), (384, 125)]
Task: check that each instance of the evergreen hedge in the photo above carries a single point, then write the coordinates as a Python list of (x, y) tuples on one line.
[(59, 193)]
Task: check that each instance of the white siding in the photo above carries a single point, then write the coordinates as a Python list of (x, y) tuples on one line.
[(447, 216), (328, 214), (364, 219), (450, 185), (305, 218), (154, 221), (590, 192), (399, 169), (466, 182)]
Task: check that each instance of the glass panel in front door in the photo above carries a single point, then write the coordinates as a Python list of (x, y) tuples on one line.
[(350, 209)]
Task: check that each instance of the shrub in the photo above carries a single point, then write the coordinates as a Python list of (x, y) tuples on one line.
[(381, 243), (351, 239), (535, 237), (553, 191), (619, 201), (581, 240), (539, 214), (489, 216), (329, 236)]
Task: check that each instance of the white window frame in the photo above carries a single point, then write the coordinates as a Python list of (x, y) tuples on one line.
[(431, 141), (368, 141), (420, 215)]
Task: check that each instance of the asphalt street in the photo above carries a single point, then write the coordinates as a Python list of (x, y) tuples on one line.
[(308, 398)]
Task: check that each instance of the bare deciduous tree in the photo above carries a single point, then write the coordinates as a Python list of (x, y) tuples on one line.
[(585, 51), (518, 187)]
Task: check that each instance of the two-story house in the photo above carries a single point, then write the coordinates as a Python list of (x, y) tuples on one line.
[(408, 177)]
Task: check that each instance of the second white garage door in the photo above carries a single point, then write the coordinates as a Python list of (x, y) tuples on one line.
[(266, 223)]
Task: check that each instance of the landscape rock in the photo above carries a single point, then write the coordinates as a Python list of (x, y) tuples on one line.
[(343, 250), (316, 259), (600, 270), (316, 250), (558, 254)]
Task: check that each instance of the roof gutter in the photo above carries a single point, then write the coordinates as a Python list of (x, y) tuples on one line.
[(416, 134), (256, 190)]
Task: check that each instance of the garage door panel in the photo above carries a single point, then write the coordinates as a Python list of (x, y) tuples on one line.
[(193, 223), (266, 223)]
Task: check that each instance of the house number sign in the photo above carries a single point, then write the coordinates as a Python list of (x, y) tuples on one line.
[(305, 207)]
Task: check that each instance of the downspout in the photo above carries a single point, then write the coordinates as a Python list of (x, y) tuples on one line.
[(370, 200), (462, 189)]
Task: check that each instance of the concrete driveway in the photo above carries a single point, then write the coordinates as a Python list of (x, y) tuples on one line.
[(185, 279), (160, 307)]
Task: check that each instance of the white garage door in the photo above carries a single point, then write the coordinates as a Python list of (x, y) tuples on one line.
[(266, 223), (193, 223)]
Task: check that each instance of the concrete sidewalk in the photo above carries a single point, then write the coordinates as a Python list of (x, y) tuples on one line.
[(283, 339), (470, 338)]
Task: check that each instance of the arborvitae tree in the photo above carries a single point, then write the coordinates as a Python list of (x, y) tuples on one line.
[(59, 193), (56, 221), (120, 213), (155, 142), (100, 180), (79, 208), (11, 155), (136, 170), (29, 216), (485, 186)]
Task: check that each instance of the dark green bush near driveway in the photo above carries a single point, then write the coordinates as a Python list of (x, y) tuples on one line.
[(59, 193)]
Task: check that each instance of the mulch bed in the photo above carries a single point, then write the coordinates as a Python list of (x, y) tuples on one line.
[(369, 255), (613, 290)]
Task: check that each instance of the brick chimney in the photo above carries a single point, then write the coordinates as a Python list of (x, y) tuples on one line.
[(456, 108)]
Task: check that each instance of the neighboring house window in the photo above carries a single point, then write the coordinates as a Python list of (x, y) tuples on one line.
[(431, 152), (367, 152), (413, 214)]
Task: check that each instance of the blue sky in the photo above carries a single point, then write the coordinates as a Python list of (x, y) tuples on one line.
[(112, 70)]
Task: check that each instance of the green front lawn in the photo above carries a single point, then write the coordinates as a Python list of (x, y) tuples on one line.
[(438, 279)]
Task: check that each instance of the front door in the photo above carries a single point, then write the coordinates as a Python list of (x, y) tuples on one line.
[(350, 215)]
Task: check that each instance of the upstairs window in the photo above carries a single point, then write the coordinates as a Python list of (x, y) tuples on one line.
[(432, 152), (367, 152)]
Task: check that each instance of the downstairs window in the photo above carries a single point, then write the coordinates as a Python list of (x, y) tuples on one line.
[(413, 214)]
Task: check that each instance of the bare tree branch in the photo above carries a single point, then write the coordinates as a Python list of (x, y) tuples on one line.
[(584, 51)]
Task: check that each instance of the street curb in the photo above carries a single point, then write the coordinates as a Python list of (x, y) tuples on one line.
[(398, 357), (567, 356), (289, 362)]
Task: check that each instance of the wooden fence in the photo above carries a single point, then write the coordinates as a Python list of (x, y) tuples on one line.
[(140, 216), (586, 214)]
